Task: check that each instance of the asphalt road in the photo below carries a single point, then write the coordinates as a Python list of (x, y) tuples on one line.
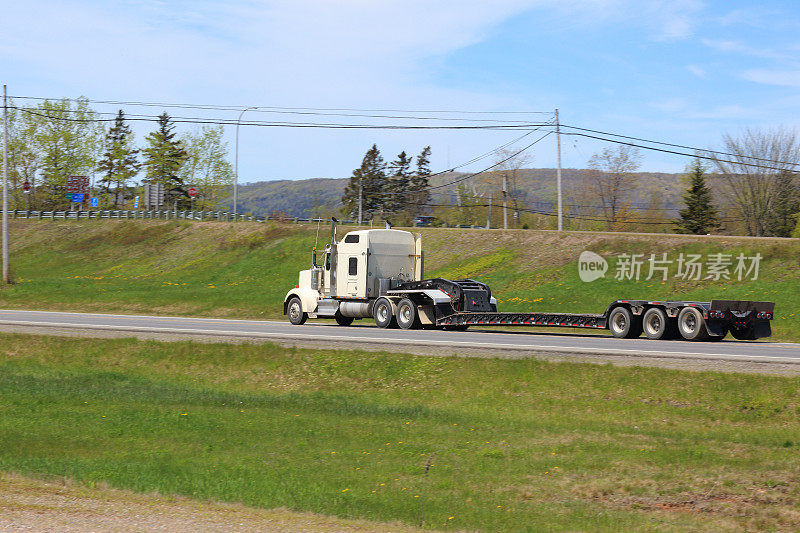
[(365, 334)]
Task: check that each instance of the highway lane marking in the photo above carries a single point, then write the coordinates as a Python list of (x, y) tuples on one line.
[(384, 340)]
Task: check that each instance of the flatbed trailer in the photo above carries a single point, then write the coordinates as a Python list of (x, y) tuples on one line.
[(465, 303), (378, 274)]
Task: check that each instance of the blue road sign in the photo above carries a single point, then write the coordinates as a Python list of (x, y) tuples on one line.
[(94, 202), (136, 202), (77, 197)]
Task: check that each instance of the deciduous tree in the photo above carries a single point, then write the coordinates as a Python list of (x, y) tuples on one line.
[(611, 179), (751, 173), (207, 167)]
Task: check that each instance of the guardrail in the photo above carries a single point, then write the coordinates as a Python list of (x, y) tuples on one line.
[(223, 216), (124, 214)]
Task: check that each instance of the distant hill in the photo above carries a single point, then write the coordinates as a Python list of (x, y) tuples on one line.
[(537, 187)]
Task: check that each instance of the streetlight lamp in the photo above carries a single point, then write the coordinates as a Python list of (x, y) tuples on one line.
[(236, 164)]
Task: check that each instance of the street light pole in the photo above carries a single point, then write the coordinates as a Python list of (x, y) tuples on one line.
[(236, 164), (5, 186)]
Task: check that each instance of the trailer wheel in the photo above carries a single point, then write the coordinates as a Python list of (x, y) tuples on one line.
[(295, 312), (622, 324), (383, 313), (657, 325), (407, 316), (343, 320), (691, 324)]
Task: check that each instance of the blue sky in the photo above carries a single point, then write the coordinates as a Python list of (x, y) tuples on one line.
[(682, 71)]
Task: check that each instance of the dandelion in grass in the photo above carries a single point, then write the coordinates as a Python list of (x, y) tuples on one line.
[(345, 490), (450, 517)]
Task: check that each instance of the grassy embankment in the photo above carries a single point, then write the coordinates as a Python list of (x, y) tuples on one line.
[(479, 444), (244, 270)]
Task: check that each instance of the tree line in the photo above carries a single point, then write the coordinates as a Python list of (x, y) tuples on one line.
[(394, 190), (57, 139)]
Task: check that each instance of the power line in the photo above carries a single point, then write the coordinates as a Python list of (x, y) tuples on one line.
[(282, 124), (678, 145), (715, 159), (278, 109)]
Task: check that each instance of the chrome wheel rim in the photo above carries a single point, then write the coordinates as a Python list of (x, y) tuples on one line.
[(689, 323), (405, 314), (294, 311), (654, 324), (620, 322), (383, 312)]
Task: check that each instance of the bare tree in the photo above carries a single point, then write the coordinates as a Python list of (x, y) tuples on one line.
[(751, 176), (611, 180), (508, 166)]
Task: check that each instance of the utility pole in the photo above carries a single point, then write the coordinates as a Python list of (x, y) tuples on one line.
[(489, 218), (5, 186), (360, 192), (505, 211), (558, 172)]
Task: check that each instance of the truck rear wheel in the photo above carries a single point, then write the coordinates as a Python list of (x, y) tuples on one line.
[(657, 325), (623, 325), (294, 310), (691, 324), (383, 313), (407, 316)]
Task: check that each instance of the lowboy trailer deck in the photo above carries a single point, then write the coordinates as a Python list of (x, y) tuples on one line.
[(378, 274)]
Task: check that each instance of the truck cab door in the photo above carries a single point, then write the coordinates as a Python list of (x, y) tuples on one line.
[(326, 276)]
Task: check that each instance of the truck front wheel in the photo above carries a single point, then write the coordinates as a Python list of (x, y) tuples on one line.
[(691, 324), (407, 316), (295, 312), (383, 313)]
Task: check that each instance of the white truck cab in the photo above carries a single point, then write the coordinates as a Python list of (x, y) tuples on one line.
[(353, 273)]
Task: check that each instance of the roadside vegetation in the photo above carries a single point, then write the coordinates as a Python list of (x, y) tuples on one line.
[(449, 443), (244, 270)]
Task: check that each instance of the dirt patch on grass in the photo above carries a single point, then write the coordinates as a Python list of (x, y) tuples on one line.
[(28, 504)]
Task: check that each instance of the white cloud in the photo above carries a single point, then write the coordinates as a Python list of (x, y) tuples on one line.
[(698, 71), (785, 78), (673, 19)]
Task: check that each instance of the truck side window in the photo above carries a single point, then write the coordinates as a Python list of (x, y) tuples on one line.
[(353, 266), (351, 238), (327, 261)]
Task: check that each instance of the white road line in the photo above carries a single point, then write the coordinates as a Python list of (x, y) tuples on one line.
[(419, 342)]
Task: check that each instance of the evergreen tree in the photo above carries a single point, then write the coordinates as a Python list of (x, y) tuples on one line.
[(164, 157), (119, 162), (699, 216), (399, 185), (419, 193), (370, 177), (782, 218)]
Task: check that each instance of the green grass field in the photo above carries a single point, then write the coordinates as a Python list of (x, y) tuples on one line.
[(244, 270), (475, 444)]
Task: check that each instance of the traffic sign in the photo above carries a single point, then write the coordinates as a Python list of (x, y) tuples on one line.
[(136, 202), (26, 186), (94, 202), (192, 192), (78, 184), (77, 197)]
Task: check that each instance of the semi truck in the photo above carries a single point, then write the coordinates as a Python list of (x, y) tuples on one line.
[(379, 274)]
